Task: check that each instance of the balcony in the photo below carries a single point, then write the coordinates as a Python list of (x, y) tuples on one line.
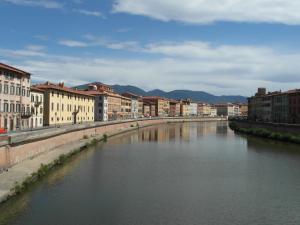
[(26, 114)]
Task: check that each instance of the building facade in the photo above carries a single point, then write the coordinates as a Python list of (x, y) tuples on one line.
[(185, 108), (294, 106), (193, 109), (135, 104), (162, 105), (15, 106), (37, 107), (63, 105), (174, 108), (280, 108), (230, 110)]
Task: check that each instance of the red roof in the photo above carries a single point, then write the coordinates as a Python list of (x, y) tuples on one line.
[(34, 88), (61, 87), (10, 68)]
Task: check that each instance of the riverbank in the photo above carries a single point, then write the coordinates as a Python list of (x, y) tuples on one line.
[(23, 157), (267, 131)]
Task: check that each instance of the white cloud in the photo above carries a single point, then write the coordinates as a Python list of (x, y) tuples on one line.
[(72, 43), (222, 69), (209, 11), (88, 12), (28, 51), (40, 3), (93, 41)]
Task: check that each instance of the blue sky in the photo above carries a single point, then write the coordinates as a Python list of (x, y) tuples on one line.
[(218, 46)]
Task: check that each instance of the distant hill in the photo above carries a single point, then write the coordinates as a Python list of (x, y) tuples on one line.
[(181, 94)]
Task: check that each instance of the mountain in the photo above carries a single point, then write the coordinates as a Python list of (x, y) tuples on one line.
[(200, 96)]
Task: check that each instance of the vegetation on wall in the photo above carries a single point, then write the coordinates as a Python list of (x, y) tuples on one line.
[(266, 133)]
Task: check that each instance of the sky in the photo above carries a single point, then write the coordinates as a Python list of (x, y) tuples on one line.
[(224, 47)]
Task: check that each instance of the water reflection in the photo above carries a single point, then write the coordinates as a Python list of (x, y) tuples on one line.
[(174, 132)]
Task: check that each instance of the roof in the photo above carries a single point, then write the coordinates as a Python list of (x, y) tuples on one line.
[(34, 88), (10, 68), (155, 98), (130, 94), (61, 87), (112, 94)]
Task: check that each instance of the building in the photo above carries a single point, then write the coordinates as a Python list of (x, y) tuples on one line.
[(294, 106), (15, 106), (37, 107), (213, 111), (174, 108), (98, 85), (126, 108), (193, 109), (149, 109), (162, 105), (260, 106), (228, 109), (204, 109), (280, 108), (140, 107), (243, 109), (185, 108), (63, 105), (135, 104)]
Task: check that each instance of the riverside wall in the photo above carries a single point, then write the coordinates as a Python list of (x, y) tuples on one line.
[(274, 127), (18, 147)]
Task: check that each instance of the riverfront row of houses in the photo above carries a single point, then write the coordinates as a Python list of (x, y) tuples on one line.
[(25, 106), (276, 107)]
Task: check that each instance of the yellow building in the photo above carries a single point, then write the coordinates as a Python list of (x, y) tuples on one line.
[(63, 105)]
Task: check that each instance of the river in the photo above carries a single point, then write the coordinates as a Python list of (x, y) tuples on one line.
[(174, 174)]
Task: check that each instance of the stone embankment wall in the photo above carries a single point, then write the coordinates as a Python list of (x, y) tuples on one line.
[(275, 127), (18, 147)]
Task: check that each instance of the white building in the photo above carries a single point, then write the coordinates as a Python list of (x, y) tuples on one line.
[(193, 109), (37, 107), (14, 98), (213, 111), (134, 104)]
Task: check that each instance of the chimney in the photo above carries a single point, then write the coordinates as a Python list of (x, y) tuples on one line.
[(62, 84)]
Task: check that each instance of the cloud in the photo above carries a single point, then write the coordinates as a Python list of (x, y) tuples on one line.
[(93, 41), (72, 43), (49, 4), (194, 65), (88, 12), (28, 51), (210, 11)]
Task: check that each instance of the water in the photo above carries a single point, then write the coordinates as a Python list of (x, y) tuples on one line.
[(185, 174)]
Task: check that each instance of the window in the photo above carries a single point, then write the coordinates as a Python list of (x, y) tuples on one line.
[(52, 106), (18, 90), (6, 106), (62, 107), (0, 87), (28, 92), (18, 107), (6, 88), (23, 91), (32, 98), (12, 89), (57, 106), (41, 110), (12, 107)]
